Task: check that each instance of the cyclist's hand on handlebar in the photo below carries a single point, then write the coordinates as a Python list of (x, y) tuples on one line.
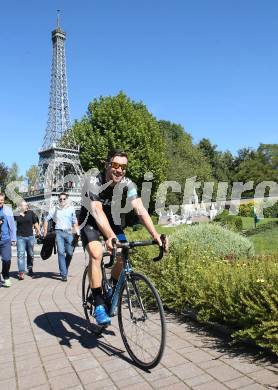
[(156, 237), (164, 243), (109, 244)]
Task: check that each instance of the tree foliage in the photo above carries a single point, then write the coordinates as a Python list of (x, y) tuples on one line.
[(119, 122), (184, 158), (32, 175), (164, 148), (221, 162), (257, 165), (13, 173), (4, 170)]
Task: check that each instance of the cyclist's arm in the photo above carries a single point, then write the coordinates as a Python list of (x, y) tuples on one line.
[(101, 219), (145, 218)]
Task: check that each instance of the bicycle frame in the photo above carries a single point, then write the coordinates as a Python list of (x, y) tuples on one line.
[(126, 270)]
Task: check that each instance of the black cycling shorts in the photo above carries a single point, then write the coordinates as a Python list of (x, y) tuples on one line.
[(89, 234)]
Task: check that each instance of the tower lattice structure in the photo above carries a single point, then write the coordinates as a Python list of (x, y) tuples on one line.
[(59, 163), (58, 123)]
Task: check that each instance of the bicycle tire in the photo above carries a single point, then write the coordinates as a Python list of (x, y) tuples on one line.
[(147, 299), (85, 294)]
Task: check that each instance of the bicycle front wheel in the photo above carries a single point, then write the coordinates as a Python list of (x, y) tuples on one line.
[(86, 291), (142, 321)]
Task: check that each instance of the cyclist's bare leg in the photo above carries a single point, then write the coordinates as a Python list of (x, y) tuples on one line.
[(95, 251)]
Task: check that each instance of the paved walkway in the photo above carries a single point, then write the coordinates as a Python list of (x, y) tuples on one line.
[(45, 344)]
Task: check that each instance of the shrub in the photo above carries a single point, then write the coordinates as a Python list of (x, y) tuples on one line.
[(246, 210), (199, 275), (220, 217), (272, 211), (241, 294), (232, 222), (211, 239), (155, 219), (137, 227), (238, 224)]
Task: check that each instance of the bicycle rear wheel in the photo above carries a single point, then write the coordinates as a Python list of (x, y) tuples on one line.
[(142, 321)]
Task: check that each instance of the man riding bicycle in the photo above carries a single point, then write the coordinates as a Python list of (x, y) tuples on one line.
[(105, 194)]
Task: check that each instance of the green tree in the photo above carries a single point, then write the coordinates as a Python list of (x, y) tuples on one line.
[(3, 175), (119, 122), (221, 162), (256, 165), (185, 159), (10, 188), (13, 173), (270, 156), (32, 175)]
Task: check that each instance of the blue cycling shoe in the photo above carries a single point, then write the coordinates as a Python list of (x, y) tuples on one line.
[(102, 318)]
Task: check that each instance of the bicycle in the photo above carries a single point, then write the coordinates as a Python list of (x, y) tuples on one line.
[(137, 303)]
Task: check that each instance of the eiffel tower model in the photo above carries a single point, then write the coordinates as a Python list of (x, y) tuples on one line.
[(59, 163)]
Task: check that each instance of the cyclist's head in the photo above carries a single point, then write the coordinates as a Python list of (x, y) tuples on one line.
[(114, 153), (116, 164)]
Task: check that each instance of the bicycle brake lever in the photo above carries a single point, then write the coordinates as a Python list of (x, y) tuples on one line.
[(113, 255), (114, 250), (161, 248)]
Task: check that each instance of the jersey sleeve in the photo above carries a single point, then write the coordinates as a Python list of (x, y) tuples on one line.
[(132, 192), (94, 189)]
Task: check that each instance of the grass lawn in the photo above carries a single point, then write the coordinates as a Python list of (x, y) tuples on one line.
[(265, 242), (248, 222)]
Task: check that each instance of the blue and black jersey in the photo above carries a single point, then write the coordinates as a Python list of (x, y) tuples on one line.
[(111, 197)]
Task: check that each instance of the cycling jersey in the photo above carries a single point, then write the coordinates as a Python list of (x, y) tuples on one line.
[(112, 198)]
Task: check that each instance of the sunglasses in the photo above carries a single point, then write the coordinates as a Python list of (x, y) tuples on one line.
[(60, 199), (116, 165)]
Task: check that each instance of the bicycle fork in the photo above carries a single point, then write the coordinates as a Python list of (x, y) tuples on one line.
[(139, 301)]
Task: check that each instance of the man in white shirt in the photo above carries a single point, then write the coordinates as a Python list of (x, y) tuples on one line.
[(65, 219)]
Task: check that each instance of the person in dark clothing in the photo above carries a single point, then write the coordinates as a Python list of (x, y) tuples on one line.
[(102, 200), (25, 222), (7, 239)]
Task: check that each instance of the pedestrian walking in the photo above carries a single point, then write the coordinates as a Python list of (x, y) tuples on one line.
[(7, 239), (65, 221), (26, 221)]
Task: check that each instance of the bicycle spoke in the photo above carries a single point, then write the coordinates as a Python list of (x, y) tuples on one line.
[(144, 333), (86, 291)]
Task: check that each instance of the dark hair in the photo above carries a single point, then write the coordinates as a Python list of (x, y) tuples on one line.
[(63, 193), (114, 153)]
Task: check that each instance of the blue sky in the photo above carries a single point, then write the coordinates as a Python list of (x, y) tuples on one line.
[(210, 65)]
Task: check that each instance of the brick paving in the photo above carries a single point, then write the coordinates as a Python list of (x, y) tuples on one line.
[(45, 344)]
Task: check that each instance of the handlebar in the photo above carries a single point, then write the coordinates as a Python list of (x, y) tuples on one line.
[(133, 244)]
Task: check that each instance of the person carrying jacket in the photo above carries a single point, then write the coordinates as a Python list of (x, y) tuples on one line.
[(65, 219)]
